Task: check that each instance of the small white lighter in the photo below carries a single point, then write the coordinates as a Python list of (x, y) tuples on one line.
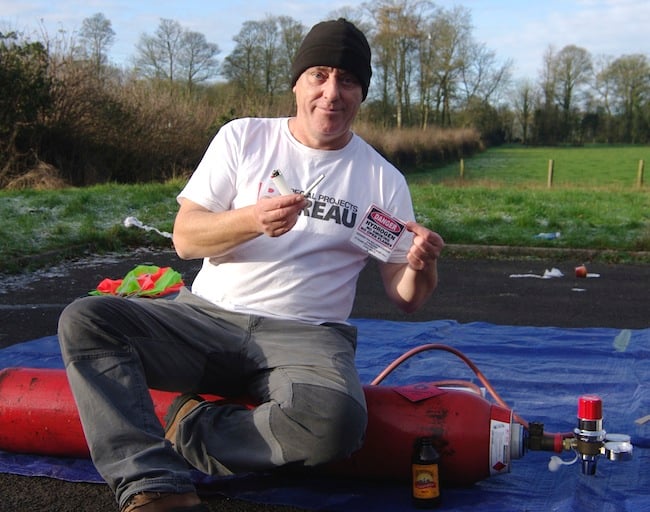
[(278, 181), (283, 188)]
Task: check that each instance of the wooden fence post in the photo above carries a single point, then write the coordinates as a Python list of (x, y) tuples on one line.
[(462, 168), (639, 174), (549, 179)]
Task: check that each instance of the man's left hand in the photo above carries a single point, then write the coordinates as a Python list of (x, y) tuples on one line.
[(426, 248)]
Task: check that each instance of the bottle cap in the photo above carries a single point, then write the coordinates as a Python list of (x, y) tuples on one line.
[(590, 407)]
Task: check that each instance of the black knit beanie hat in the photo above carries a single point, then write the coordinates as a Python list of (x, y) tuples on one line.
[(337, 44)]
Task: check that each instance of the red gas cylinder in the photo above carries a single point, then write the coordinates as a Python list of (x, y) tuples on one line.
[(475, 439), (38, 413)]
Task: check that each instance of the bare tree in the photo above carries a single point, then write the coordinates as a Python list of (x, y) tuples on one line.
[(630, 78), (197, 58), (545, 126), (524, 104), (603, 83), (291, 35), (482, 76), (260, 63), (173, 53), (269, 37), (548, 77), (603, 87), (96, 37), (426, 77), (399, 35), (453, 30), (243, 65), (573, 69), (158, 54)]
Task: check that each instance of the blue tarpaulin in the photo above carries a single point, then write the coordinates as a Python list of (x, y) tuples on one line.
[(539, 371)]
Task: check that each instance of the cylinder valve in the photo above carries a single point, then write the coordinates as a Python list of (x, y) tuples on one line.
[(589, 434)]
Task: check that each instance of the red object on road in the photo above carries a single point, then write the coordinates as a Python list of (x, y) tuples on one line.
[(581, 271)]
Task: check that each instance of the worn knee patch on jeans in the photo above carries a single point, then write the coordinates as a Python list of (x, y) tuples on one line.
[(319, 426)]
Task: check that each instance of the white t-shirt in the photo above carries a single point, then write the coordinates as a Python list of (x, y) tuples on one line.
[(310, 273)]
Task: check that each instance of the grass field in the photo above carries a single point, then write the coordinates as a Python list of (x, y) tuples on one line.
[(502, 200), (592, 167)]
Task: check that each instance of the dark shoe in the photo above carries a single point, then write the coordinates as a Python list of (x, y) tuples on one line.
[(179, 408), (165, 502)]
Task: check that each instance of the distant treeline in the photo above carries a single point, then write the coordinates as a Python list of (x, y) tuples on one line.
[(67, 114), (62, 124)]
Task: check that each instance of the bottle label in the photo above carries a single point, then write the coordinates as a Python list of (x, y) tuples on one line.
[(426, 483)]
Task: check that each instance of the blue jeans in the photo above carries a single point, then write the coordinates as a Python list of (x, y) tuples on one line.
[(312, 408)]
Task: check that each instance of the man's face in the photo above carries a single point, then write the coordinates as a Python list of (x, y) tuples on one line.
[(328, 100)]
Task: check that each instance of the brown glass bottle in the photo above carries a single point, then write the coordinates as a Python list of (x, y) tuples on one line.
[(425, 481)]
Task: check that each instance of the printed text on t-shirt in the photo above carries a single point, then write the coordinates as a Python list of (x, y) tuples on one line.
[(331, 209)]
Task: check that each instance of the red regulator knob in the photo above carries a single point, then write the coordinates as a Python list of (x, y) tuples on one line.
[(590, 407)]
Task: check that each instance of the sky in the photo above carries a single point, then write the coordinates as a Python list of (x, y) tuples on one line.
[(514, 30)]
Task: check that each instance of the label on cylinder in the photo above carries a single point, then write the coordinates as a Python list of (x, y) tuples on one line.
[(499, 446)]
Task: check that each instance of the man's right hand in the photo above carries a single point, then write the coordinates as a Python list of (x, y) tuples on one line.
[(277, 215)]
